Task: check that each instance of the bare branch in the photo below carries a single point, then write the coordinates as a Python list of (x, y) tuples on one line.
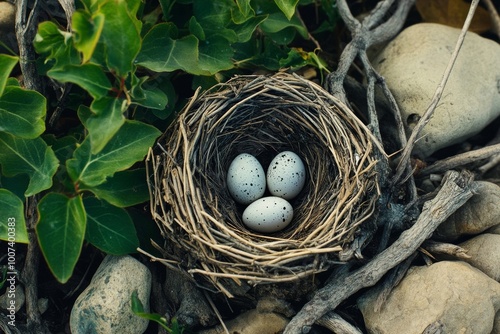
[(26, 24), (404, 161), (459, 160), (456, 190)]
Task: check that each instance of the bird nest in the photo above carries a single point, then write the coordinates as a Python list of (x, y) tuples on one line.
[(261, 115)]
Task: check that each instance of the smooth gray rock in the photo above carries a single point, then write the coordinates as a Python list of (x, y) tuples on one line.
[(104, 306), (478, 214), (413, 65), (269, 317), (484, 252), (459, 297)]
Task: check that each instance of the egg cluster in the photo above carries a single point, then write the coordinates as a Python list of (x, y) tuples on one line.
[(247, 182)]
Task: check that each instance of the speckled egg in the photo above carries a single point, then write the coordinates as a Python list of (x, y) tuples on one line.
[(286, 175), (268, 214), (246, 179)]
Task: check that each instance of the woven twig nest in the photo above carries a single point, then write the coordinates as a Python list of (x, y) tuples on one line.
[(261, 115)]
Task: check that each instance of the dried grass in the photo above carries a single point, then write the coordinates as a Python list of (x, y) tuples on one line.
[(261, 115)]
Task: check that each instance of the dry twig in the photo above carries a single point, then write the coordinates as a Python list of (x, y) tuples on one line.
[(337, 324), (456, 190), (446, 249), (495, 18), (365, 34), (405, 156), (463, 159)]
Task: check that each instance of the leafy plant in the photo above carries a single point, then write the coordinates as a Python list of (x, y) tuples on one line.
[(122, 70), (138, 310)]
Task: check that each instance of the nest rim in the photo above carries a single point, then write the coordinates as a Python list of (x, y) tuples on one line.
[(260, 115)]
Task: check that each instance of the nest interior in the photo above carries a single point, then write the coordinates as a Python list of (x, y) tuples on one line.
[(261, 115)]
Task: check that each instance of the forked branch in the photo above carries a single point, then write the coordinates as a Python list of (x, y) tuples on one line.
[(456, 189)]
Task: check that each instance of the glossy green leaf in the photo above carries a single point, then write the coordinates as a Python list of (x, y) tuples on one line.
[(277, 22), (242, 12), (87, 30), (149, 93), (213, 14), (121, 35), (215, 55), (13, 82), (110, 228), (196, 29), (7, 63), (63, 147), (123, 189), (12, 223), (154, 98), (105, 121), (91, 5), (55, 44), (28, 156), (245, 30), (161, 53), (61, 231), (298, 58), (90, 77), (287, 7), (129, 145), (138, 309), (22, 112)]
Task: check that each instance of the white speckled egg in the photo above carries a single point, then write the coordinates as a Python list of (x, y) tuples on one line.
[(286, 175), (268, 214), (246, 180)]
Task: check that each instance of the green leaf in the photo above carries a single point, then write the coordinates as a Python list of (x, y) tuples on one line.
[(213, 14), (90, 77), (87, 30), (129, 145), (161, 53), (55, 44), (147, 93), (215, 55), (63, 147), (242, 12), (298, 58), (244, 31), (138, 309), (7, 63), (105, 121), (277, 22), (30, 156), (12, 223), (123, 189), (121, 35), (91, 5), (196, 29), (287, 7), (22, 112), (13, 82), (110, 228), (61, 231)]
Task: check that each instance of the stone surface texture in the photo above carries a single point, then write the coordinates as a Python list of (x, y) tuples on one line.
[(459, 296), (478, 214), (269, 317), (104, 306), (484, 252), (413, 65)]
